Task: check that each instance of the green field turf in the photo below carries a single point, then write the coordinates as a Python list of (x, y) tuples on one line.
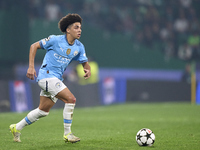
[(176, 127)]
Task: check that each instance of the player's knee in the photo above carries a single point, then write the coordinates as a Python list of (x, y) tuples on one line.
[(72, 100)]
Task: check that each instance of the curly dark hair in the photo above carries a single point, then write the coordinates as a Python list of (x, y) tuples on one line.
[(68, 20)]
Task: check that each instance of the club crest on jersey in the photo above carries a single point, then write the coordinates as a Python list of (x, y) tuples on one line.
[(68, 51), (75, 53)]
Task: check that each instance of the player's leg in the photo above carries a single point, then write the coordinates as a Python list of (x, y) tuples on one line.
[(66, 96), (34, 115), (43, 110), (46, 103)]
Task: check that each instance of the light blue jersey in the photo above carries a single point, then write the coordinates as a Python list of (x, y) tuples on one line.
[(59, 54)]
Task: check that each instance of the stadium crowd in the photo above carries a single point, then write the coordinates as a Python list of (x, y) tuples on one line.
[(170, 25)]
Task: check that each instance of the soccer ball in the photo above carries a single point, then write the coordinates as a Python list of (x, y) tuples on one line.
[(145, 137)]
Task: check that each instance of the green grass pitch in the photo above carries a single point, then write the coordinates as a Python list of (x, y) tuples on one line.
[(176, 127)]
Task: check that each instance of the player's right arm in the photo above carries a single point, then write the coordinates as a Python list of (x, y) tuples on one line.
[(31, 70)]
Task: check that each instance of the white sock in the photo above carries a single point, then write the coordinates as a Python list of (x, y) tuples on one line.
[(32, 116), (20, 125), (67, 116)]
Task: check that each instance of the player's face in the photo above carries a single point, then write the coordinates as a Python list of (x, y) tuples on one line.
[(75, 30)]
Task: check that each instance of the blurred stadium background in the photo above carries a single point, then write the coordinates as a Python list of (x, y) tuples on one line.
[(142, 50)]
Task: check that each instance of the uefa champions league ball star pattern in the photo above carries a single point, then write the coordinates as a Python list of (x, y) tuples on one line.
[(145, 137)]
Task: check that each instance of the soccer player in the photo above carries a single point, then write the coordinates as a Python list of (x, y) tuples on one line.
[(60, 51)]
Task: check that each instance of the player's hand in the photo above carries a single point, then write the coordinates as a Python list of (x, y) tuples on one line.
[(87, 73), (31, 73)]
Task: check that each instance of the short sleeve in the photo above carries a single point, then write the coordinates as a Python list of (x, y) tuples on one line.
[(47, 43), (81, 57)]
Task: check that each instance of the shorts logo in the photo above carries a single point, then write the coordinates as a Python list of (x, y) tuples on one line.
[(68, 51), (58, 85)]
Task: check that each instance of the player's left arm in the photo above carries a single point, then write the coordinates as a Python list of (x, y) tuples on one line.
[(87, 70)]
